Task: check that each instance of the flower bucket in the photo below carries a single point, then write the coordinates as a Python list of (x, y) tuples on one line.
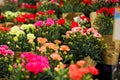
[(89, 61), (70, 16), (93, 16), (111, 53)]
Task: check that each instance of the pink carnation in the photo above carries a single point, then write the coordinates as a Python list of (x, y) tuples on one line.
[(10, 52), (76, 29), (97, 35), (28, 55), (4, 46), (4, 50), (38, 65), (35, 63), (15, 1), (49, 22), (39, 23)]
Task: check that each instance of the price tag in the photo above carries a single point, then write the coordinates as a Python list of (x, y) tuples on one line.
[(116, 29)]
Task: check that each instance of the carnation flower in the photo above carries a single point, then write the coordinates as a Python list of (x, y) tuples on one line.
[(20, 20), (64, 48), (15, 30), (40, 13), (6, 59), (30, 36), (56, 56), (36, 64), (49, 22), (51, 46), (74, 24), (41, 40), (61, 21), (39, 23), (79, 72), (49, 12), (88, 2)]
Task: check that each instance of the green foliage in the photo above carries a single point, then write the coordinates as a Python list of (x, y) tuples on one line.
[(85, 45), (51, 33), (21, 44), (9, 6), (27, 10), (71, 6), (3, 38), (105, 24), (5, 62), (49, 6), (27, 1), (60, 74)]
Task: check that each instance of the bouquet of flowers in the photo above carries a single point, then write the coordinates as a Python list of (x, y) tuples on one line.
[(30, 66), (105, 20), (25, 18), (9, 15), (26, 7), (6, 59), (3, 34), (45, 15), (82, 21), (21, 38), (55, 52), (51, 29), (9, 5), (49, 5), (84, 42), (69, 6), (34, 67), (74, 71)]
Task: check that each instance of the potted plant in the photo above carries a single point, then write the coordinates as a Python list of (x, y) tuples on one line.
[(3, 34), (55, 51), (85, 42), (51, 29), (49, 5), (6, 59), (46, 14), (29, 66), (104, 20), (21, 38)]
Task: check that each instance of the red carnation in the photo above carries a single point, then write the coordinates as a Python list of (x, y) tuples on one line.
[(85, 17), (33, 6), (111, 11), (88, 2), (50, 12), (103, 10), (25, 15), (93, 70), (74, 24), (19, 19), (29, 16), (6, 28), (40, 13), (1, 17), (61, 21)]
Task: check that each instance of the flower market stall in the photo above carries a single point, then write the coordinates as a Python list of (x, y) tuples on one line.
[(58, 40)]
